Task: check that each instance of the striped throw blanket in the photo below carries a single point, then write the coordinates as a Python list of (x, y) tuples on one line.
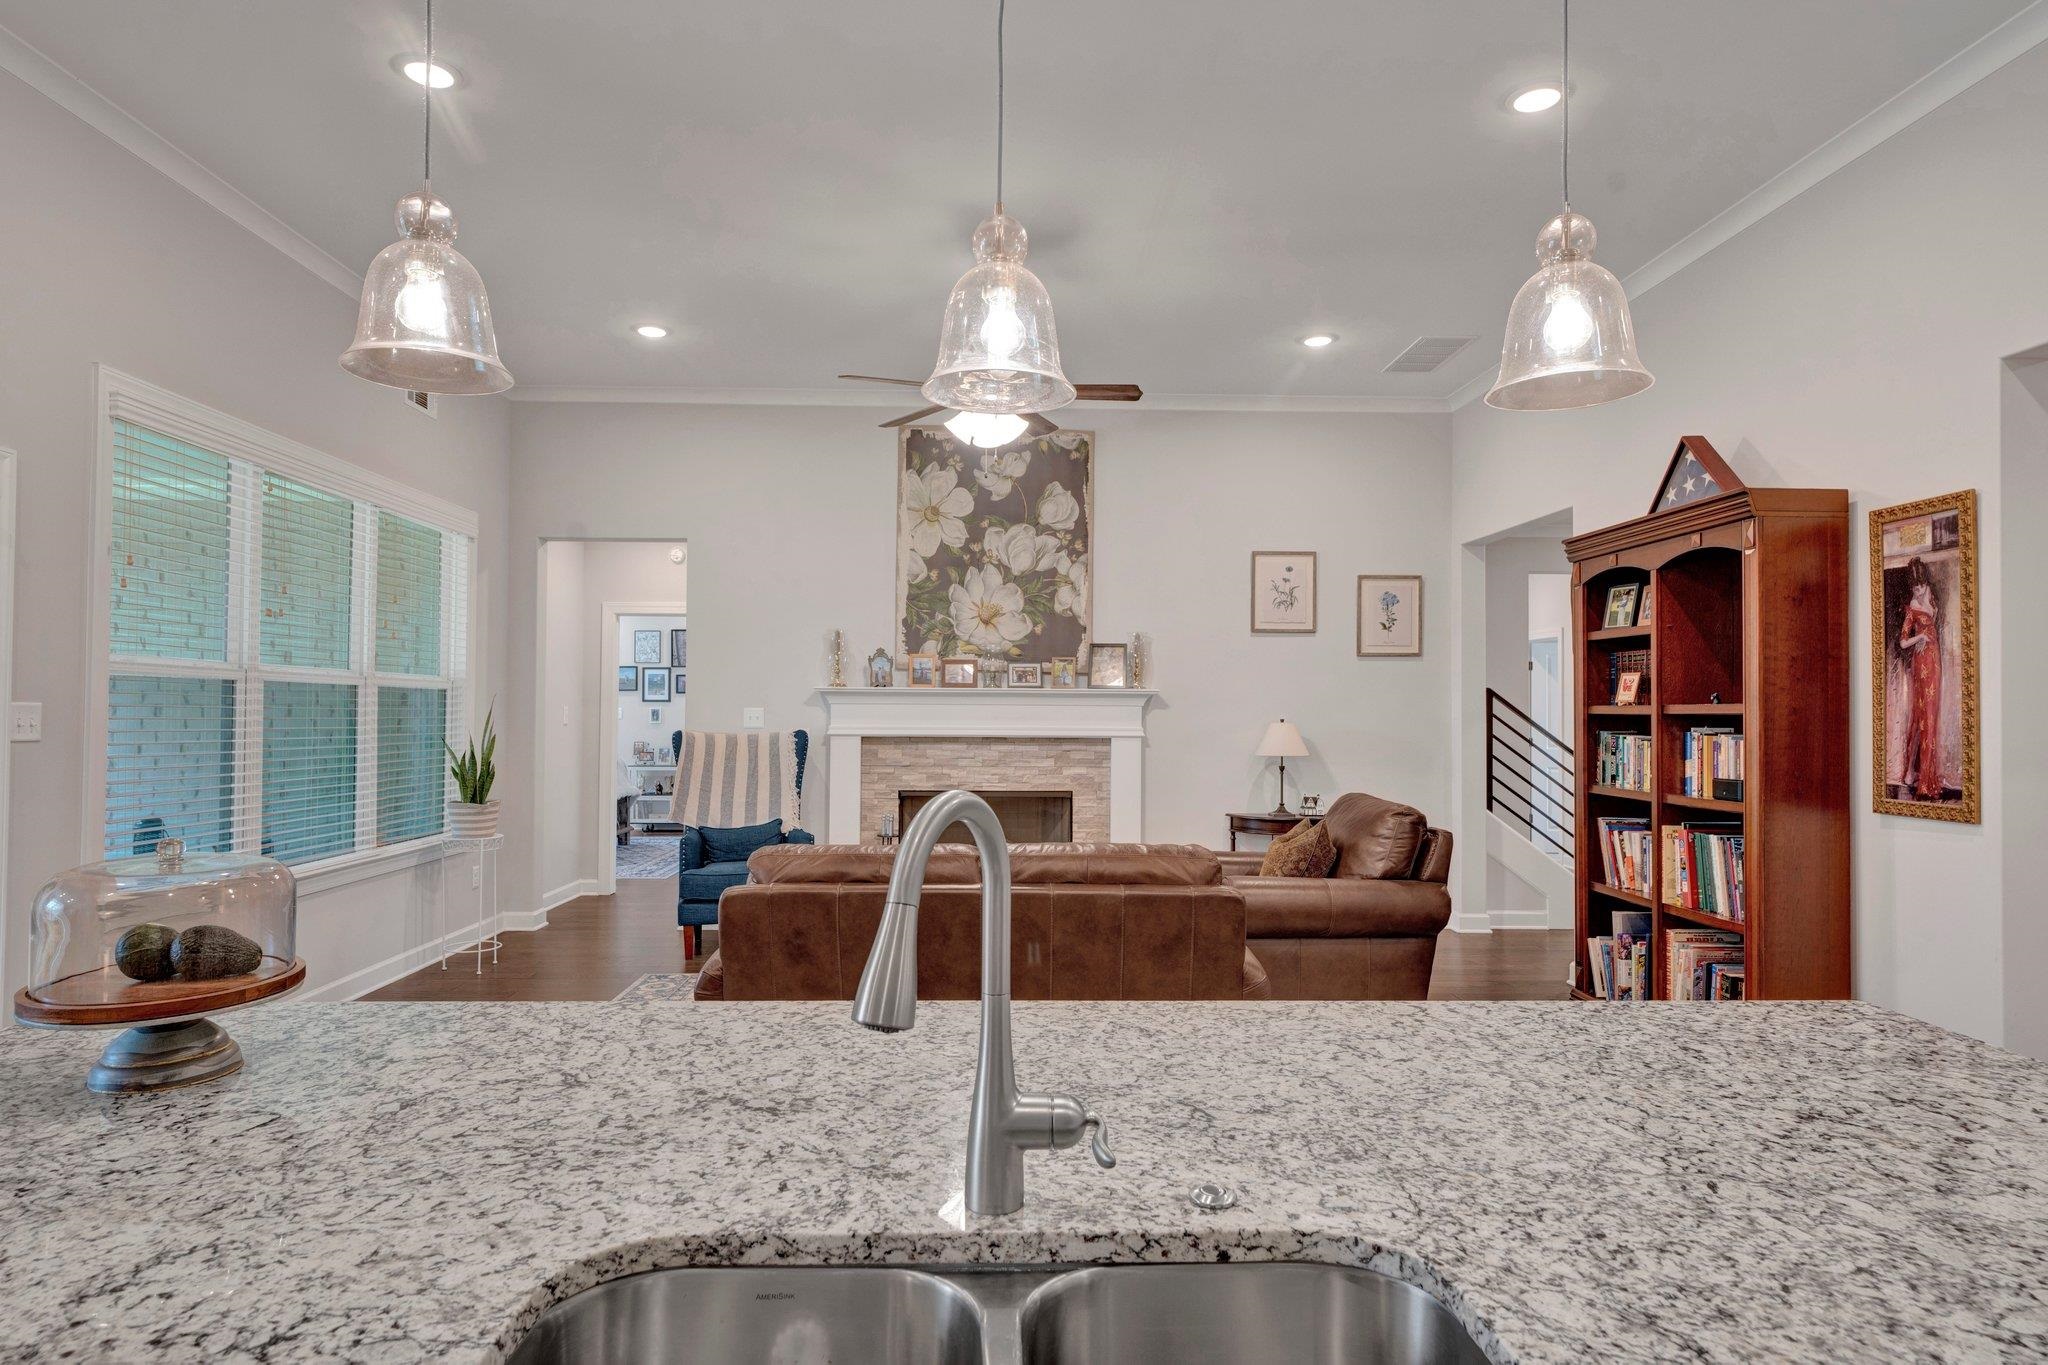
[(728, 778)]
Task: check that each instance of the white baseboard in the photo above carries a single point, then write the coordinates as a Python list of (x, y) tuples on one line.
[(1471, 924), (569, 891), (1520, 919)]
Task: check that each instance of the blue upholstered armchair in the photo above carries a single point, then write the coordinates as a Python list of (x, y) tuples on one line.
[(710, 859)]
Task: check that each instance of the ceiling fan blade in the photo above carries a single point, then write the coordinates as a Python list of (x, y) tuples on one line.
[(1099, 393), (877, 379), (910, 417), (1038, 424)]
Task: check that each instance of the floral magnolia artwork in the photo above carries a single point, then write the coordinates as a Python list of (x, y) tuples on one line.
[(993, 546)]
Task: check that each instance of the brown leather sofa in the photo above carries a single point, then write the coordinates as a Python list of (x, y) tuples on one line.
[(1088, 922), (1368, 930)]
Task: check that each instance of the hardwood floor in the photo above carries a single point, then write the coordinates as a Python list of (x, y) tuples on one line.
[(595, 946)]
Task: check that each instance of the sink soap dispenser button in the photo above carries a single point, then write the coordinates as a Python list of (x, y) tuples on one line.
[(1212, 1197)]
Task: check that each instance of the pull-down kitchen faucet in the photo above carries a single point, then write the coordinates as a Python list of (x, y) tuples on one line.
[(1001, 1124)]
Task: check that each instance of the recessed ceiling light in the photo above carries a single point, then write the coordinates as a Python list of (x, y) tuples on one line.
[(1535, 99), (651, 332), (414, 69), (1317, 341)]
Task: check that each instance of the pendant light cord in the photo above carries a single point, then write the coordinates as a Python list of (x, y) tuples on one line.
[(427, 104), (1000, 4), (1563, 97)]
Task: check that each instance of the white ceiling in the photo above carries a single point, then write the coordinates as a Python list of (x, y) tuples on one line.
[(789, 184)]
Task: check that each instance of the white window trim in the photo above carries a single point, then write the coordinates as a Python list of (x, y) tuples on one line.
[(120, 396)]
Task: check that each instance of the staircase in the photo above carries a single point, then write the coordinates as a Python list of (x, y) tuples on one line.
[(1529, 834)]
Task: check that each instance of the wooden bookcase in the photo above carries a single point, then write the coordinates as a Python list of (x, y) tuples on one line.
[(1749, 596)]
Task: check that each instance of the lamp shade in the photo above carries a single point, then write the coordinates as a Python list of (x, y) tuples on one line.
[(1569, 343), (998, 351), (425, 321), (1282, 741)]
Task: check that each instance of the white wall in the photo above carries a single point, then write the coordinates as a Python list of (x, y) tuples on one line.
[(112, 262), (2022, 621), (790, 518), (1851, 339)]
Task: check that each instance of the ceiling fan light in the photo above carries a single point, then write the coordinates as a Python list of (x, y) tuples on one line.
[(986, 430), (1570, 342), (998, 350), (424, 323)]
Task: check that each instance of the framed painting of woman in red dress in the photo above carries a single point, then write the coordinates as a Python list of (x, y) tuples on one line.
[(1923, 658)]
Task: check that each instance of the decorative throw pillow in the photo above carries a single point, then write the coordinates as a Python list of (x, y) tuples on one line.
[(1304, 851), (733, 845)]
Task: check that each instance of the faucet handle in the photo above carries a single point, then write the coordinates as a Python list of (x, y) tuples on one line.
[(1098, 1141)]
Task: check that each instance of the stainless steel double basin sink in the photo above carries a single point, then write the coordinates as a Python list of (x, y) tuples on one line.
[(1272, 1313)]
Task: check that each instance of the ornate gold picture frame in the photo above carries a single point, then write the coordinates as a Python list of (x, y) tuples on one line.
[(1923, 659)]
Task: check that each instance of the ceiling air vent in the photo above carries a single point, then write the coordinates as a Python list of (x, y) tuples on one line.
[(1426, 354)]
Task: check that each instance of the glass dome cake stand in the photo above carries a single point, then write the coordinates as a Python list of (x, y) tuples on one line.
[(155, 945)]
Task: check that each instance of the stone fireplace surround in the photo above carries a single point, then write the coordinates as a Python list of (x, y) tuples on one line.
[(884, 740)]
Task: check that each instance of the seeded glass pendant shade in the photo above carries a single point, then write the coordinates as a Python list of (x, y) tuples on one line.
[(1570, 343), (998, 351), (425, 320)]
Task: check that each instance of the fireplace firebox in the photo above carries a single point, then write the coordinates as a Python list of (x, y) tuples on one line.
[(1031, 817)]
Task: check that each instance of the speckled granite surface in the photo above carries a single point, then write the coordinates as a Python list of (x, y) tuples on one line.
[(405, 1182)]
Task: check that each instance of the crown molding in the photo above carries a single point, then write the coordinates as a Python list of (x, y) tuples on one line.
[(2012, 39), (852, 397), (101, 114)]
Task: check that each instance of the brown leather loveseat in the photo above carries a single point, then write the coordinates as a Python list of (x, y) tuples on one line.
[(1088, 922), (1368, 930)]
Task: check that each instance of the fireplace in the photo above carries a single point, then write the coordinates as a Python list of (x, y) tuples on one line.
[(1027, 817)]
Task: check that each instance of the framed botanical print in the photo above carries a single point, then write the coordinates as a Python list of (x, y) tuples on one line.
[(1389, 615), (654, 684), (1923, 658), (1283, 592), (646, 646)]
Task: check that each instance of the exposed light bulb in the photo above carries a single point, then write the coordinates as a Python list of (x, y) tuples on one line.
[(423, 301), (986, 430), (1002, 331), (1568, 326)]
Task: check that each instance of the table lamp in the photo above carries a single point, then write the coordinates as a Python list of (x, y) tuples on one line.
[(1283, 742)]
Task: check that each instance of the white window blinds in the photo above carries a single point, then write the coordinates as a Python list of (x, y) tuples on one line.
[(285, 662)]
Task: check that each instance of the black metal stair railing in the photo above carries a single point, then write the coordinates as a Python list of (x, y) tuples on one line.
[(1528, 774)]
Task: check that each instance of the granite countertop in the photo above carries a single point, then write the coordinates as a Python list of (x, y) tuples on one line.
[(402, 1182)]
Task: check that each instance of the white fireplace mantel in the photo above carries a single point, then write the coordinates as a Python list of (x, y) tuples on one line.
[(1113, 714)]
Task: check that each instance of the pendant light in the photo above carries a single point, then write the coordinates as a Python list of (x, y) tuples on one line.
[(425, 321), (998, 352), (1569, 341)]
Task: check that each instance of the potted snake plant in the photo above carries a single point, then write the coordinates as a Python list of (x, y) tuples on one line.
[(475, 815)]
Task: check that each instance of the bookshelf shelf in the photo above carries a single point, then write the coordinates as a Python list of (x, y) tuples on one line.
[(1703, 803), (1749, 596), (1578, 994), (1705, 918)]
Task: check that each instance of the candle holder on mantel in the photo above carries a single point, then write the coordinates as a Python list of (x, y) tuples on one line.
[(153, 945)]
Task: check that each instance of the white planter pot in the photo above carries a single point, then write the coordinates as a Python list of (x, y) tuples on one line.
[(470, 821)]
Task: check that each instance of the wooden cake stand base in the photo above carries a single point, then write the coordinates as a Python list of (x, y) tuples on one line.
[(172, 1042)]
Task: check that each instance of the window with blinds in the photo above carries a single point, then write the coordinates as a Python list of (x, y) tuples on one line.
[(284, 661)]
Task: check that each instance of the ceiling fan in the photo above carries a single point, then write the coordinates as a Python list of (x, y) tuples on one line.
[(1034, 423)]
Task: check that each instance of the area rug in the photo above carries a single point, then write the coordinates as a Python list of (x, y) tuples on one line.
[(659, 988), (648, 858)]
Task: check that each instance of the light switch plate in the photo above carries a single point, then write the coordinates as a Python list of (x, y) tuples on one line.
[(25, 720), (754, 717)]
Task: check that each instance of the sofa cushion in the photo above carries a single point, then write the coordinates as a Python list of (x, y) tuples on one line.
[(1030, 865), (708, 883), (1304, 851), (733, 845), (1374, 838)]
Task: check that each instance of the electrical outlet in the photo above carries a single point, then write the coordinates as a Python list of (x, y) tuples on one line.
[(754, 718), (25, 720), (476, 877)]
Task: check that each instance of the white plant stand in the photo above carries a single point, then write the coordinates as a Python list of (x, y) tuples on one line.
[(486, 850)]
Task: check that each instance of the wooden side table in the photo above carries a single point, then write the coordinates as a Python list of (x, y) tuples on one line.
[(1267, 822)]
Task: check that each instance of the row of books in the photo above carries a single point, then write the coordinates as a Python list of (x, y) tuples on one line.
[(1624, 852), (1622, 760), (1636, 661), (1703, 868), (1703, 964), (1621, 960), (1713, 758)]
